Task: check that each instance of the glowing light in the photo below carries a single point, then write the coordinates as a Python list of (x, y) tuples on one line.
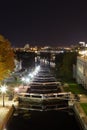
[(3, 88), (23, 79), (83, 52), (27, 80), (31, 75), (16, 89)]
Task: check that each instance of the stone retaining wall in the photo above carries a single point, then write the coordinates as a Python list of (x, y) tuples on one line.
[(80, 114), (7, 117)]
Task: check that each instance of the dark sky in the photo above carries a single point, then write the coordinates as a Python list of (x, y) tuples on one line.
[(43, 22)]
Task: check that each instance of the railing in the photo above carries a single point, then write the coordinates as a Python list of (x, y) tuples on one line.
[(64, 96), (45, 108), (45, 83)]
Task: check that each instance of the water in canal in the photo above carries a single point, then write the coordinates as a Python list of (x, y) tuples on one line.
[(44, 120)]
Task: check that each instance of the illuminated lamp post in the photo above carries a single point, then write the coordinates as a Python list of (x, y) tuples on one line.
[(3, 90), (16, 89)]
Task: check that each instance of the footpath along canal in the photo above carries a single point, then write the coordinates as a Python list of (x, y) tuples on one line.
[(6, 112)]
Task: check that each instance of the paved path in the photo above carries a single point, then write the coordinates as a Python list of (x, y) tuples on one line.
[(7, 102), (4, 110), (3, 113), (83, 98)]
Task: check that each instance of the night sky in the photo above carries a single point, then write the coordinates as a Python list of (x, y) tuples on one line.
[(43, 22)]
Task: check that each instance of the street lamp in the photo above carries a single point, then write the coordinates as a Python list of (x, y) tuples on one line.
[(16, 89), (3, 90)]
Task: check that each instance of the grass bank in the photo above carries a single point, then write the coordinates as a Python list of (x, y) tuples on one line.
[(75, 88), (84, 107)]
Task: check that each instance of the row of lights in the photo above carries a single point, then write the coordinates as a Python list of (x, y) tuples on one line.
[(3, 88), (28, 79), (30, 76)]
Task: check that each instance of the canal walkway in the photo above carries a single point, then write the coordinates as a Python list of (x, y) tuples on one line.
[(6, 111)]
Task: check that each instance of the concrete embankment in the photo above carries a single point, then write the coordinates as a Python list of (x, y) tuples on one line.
[(5, 115), (80, 115)]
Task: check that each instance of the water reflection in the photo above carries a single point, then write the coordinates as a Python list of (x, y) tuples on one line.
[(44, 120)]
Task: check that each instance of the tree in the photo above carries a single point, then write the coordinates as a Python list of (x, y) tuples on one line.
[(67, 67), (64, 65), (6, 57), (58, 62)]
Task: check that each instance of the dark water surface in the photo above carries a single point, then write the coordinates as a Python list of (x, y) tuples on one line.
[(44, 120)]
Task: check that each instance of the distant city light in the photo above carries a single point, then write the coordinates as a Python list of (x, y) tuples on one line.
[(84, 52), (83, 43)]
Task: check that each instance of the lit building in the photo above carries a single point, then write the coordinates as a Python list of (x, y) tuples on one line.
[(26, 46), (81, 71), (18, 65)]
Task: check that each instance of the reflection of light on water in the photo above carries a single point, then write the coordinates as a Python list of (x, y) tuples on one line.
[(4, 129), (23, 113), (38, 120), (27, 116), (15, 114)]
